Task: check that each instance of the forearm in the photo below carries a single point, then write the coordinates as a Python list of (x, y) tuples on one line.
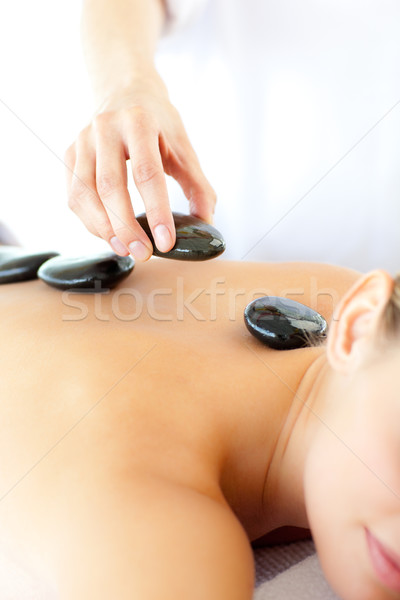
[(119, 39)]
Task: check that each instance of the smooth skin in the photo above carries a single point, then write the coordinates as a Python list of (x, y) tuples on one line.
[(148, 438), (134, 120)]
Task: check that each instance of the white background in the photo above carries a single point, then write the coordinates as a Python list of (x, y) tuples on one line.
[(45, 100)]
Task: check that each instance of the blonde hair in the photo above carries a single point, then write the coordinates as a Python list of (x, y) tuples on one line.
[(391, 316)]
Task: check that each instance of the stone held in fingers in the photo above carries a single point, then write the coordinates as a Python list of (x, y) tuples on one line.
[(16, 264), (284, 324), (195, 239), (93, 273)]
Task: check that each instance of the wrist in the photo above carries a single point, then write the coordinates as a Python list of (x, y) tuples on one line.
[(140, 81)]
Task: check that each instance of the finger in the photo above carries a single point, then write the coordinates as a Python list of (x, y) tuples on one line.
[(111, 185), (184, 167), (84, 201), (149, 177)]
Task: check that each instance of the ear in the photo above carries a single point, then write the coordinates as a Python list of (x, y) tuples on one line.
[(357, 320)]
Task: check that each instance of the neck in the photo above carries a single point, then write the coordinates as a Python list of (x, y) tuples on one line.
[(284, 489)]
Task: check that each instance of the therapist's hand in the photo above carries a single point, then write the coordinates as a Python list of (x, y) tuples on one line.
[(138, 123)]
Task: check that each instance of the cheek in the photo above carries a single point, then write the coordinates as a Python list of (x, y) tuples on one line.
[(341, 498), (379, 451)]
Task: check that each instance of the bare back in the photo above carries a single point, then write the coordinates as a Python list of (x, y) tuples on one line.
[(161, 372)]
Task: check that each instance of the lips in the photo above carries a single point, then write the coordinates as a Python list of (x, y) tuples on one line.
[(385, 562)]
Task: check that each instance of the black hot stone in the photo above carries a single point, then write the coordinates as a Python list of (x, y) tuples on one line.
[(88, 273), (195, 239), (18, 265), (283, 324)]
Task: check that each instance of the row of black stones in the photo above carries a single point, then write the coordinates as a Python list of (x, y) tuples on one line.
[(195, 240), (280, 323), (106, 269)]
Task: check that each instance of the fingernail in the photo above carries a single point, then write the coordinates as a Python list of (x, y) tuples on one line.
[(118, 246), (162, 238), (139, 250)]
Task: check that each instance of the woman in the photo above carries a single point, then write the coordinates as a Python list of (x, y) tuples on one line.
[(148, 437)]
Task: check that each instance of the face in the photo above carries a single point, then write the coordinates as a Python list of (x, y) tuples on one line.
[(352, 483)]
